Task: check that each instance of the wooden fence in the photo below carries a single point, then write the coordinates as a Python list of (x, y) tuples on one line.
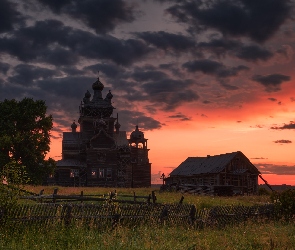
[(111, 214), (110, 197)]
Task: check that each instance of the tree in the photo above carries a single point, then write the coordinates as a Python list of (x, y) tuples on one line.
[(25, 137)]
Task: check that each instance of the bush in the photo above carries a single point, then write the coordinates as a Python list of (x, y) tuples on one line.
[(13, 177), (284, 204), (263, 191)]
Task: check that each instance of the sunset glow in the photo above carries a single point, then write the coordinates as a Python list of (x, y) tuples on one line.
[(196, 85)]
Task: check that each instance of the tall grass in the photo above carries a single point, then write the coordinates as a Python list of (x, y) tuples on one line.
[(247, 236)]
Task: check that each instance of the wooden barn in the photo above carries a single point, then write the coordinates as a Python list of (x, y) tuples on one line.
[(100, 154), (224, 173)]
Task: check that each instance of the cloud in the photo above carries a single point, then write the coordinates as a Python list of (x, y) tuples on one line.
[(210, 67), (275, 169), (291, 125), (49, 40), (283, 141), (253, 53), (272, 83), (169, 93), (9, 16), (164, 40), (132, 118), (27, 75), (4, 67), (272, 99), (102, 16), (259, 158), (257, 20), (234, 48), (179, 116)]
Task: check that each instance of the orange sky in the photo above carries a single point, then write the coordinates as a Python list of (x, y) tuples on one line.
[(197, 78)]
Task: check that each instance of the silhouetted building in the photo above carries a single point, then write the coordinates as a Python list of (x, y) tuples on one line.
[(215, 172), (101, 154)]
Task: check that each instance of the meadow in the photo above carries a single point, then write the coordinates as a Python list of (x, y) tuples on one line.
[(248, 235)]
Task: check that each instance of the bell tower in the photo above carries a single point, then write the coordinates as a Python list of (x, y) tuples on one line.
[(141, 167)]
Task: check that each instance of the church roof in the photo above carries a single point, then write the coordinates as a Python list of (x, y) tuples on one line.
[(121, 138), (70, 163), (70, 137), (205, 165)]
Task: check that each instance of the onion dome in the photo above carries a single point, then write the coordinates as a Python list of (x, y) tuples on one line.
[(136, 134), (86, 98), (74, 126), (87, 94), (97, 85)]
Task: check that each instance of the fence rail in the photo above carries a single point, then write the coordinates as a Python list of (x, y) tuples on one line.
[(112, 214), (110, 197)]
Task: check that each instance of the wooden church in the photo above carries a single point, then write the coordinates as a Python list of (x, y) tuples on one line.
[(101, 154)]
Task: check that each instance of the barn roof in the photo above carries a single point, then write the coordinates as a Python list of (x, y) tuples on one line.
[(204, 165)]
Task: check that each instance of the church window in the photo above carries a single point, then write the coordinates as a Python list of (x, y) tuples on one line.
[(74, 173), (109, 173), (101, 173), (94, 173)]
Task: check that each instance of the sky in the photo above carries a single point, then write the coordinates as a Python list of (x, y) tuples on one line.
[(199, 77)]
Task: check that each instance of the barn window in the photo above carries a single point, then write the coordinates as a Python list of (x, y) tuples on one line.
[(74, 173), (101, 173)]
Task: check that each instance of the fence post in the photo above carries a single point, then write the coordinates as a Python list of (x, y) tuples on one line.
[(81, 196), (149, 199), (54, 194), (68, 214), (154, 196), (181, 199), (192, 214), (134, 197)]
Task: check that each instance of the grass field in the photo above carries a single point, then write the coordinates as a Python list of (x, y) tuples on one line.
[(273, 235), (247, 235), (162, 197)]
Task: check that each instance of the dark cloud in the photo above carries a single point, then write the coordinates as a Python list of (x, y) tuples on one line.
[(180, 117), (166, 41), (152, 75), (223, 46), (27, 75), (133, 118), (258, 20), (282, 141), (226, 85), (35, 44), (253, 53), (110, 70), (272, 99), (219, 46), (272, 83), (101, 15), (259, 158), (206, 102), (169, 93), (9, 16), (4, 67), (71, 86), (291, 125), (210, 67), (275, 169)]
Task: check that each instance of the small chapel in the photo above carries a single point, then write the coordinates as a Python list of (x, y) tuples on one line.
[(100, 154)]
